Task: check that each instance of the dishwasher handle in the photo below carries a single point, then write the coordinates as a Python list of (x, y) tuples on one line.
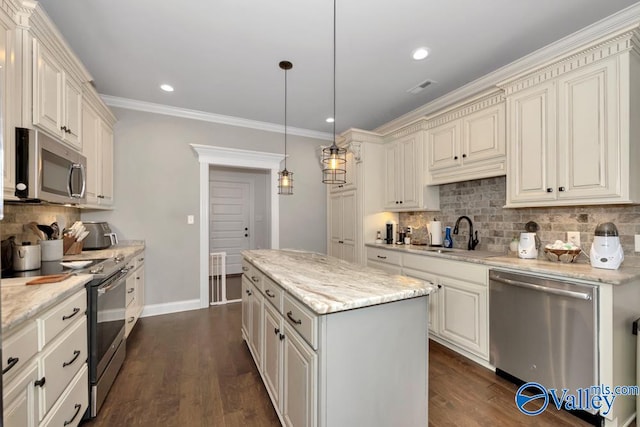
[(561, 292)]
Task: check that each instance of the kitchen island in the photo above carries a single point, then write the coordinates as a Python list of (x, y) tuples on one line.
[(336, 343)]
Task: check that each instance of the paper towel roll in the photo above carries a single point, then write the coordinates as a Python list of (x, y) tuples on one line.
[(435, 229)]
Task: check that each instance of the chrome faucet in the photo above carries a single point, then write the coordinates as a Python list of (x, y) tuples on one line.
[(473, 241)]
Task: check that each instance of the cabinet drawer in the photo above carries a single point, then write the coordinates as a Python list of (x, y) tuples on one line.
[(253, 274), (302, 320), (139, 260), (18, 349), (131, 317), (73, 403), (382, 255), (64, 314), (61, 361), (272, 293), (131, 291), (461, 270), (19, 400)]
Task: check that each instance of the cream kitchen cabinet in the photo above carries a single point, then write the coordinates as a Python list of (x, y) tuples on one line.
[(342, 225), (10, 102), (57, 97), (134, 292), (45, 367), (300, 364), (97, 147), (468, 142), (571, 132), (384, 259)]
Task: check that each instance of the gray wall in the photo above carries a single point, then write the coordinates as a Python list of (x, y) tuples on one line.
[(156, 186)]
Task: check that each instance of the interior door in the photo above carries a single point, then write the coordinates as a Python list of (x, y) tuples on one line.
[(230, 208)]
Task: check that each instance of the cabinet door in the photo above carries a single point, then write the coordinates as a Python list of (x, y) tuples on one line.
[(391, 196), (139, 298), (410, 180), (90, 135), (589, 149), (256, 326), (335, 224), (443, 145), (433, 296), (247, 293), (72, 102), (11, 102), (299, 381), (20, 399), (463, 315), (483, 135), (532, 154), (47, 91), (106, 165), (272, 357)]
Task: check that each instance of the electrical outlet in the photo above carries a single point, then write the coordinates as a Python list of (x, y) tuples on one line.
[(191, 219), (409, 229), (573, 237), (637, 242)]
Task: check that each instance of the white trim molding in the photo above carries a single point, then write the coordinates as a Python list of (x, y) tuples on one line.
[(167, 110), (221, 156), (170, 307)]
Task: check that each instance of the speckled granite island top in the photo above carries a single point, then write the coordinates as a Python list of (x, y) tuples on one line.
[(327, 285)]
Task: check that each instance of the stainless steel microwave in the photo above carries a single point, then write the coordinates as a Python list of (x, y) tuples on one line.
[(48, 170)]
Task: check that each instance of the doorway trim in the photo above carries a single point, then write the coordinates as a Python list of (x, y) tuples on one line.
[(209, 155)]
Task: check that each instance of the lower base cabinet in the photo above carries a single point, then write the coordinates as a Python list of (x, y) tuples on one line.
[(318, 369)]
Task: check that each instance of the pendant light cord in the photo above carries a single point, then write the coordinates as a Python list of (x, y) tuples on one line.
[(334, 72), (285, 119)]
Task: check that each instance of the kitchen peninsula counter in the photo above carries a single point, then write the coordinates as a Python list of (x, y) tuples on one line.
[(336, 343), (327, 285)]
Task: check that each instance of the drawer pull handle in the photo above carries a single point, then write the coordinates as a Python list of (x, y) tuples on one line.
[(255, 279), (76, 353), (269, 294), (381, 257), (137, 277), (290, 316), (130, 290), (40, 382), (249, 292), (140, 259), (131, 319), (76, 310), (77, 407), (11, 362), (245, 268)]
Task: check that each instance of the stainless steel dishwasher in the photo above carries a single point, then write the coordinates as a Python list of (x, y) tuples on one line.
[(543, 330)]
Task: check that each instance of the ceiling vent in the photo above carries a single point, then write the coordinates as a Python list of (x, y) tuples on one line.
[(421, 86)]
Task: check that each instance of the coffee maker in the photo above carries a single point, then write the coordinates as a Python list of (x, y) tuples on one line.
[(392, 229)]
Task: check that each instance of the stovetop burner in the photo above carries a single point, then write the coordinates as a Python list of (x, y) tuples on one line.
[(48, 268)]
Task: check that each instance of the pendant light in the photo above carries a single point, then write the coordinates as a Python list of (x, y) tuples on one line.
[(285, 178), (334, 158)]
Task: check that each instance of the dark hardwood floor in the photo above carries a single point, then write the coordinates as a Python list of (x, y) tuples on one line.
[(193, 369)]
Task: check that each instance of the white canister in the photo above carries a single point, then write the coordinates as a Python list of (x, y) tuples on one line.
[(51, 250)]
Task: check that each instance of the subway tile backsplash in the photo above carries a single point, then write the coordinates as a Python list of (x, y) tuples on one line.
[(483, 200)]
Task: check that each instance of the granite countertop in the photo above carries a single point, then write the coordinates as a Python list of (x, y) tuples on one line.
[(327, 285), (21, 302), (579, 270)]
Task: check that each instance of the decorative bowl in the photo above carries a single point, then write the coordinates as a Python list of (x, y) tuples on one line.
[(562, 255)]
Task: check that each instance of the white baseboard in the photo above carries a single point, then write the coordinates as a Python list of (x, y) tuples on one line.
[(170, 307)]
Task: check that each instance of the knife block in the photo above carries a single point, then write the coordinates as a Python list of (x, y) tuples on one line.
[(70, 246)]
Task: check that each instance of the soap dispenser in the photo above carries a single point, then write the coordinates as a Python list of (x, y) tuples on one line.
[(448, 241)]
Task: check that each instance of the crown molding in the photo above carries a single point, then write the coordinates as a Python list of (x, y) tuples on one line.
[(167, 110), (623, 19)]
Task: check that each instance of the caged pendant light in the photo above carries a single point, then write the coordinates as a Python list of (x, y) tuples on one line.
[(285, 178), (334, 158)]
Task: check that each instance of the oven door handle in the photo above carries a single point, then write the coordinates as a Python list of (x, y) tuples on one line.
[(561, 292), (104, 289)]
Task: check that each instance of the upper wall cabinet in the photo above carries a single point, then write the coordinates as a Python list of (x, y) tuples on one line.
[(57, 98), (10, 106), (468, 142), (570, 129), (405, 188)]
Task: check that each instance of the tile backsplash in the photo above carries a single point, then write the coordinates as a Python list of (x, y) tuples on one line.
[(483, 200), (16, 215)]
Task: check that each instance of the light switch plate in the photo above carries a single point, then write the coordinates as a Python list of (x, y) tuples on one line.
[(573, 237), (637, 242)]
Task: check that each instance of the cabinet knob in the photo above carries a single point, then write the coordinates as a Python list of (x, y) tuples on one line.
[(276, 331), (397, 202), (246, 235), (464, 156), (561, 188), (281, 337), (340, 186), (549, 190), (400, 201), (63, 128), (40, 382), (340, 241), (455, 157)]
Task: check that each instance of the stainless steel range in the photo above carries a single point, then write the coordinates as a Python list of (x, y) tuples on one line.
[(106, 303)]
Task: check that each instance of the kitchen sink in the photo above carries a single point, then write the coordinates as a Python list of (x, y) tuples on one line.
[(457, 252)]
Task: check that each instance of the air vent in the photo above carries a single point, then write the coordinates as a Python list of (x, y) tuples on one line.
[(421, 86)]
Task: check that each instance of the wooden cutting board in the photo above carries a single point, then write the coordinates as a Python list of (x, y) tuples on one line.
[(54, 278)]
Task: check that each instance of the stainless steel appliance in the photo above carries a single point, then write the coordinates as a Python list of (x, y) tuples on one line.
[(47, 169), (106, 304), (100, 235), (26, 257), (543, 330), (392, 229)]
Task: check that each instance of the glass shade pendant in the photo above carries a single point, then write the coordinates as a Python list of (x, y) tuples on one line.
[(285, 178), (334, 158)]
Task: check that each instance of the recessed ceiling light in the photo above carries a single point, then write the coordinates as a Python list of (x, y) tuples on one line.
[(166, 88), (420, 53), (330, 120)]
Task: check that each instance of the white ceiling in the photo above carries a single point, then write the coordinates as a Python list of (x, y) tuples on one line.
[(222, 55)]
